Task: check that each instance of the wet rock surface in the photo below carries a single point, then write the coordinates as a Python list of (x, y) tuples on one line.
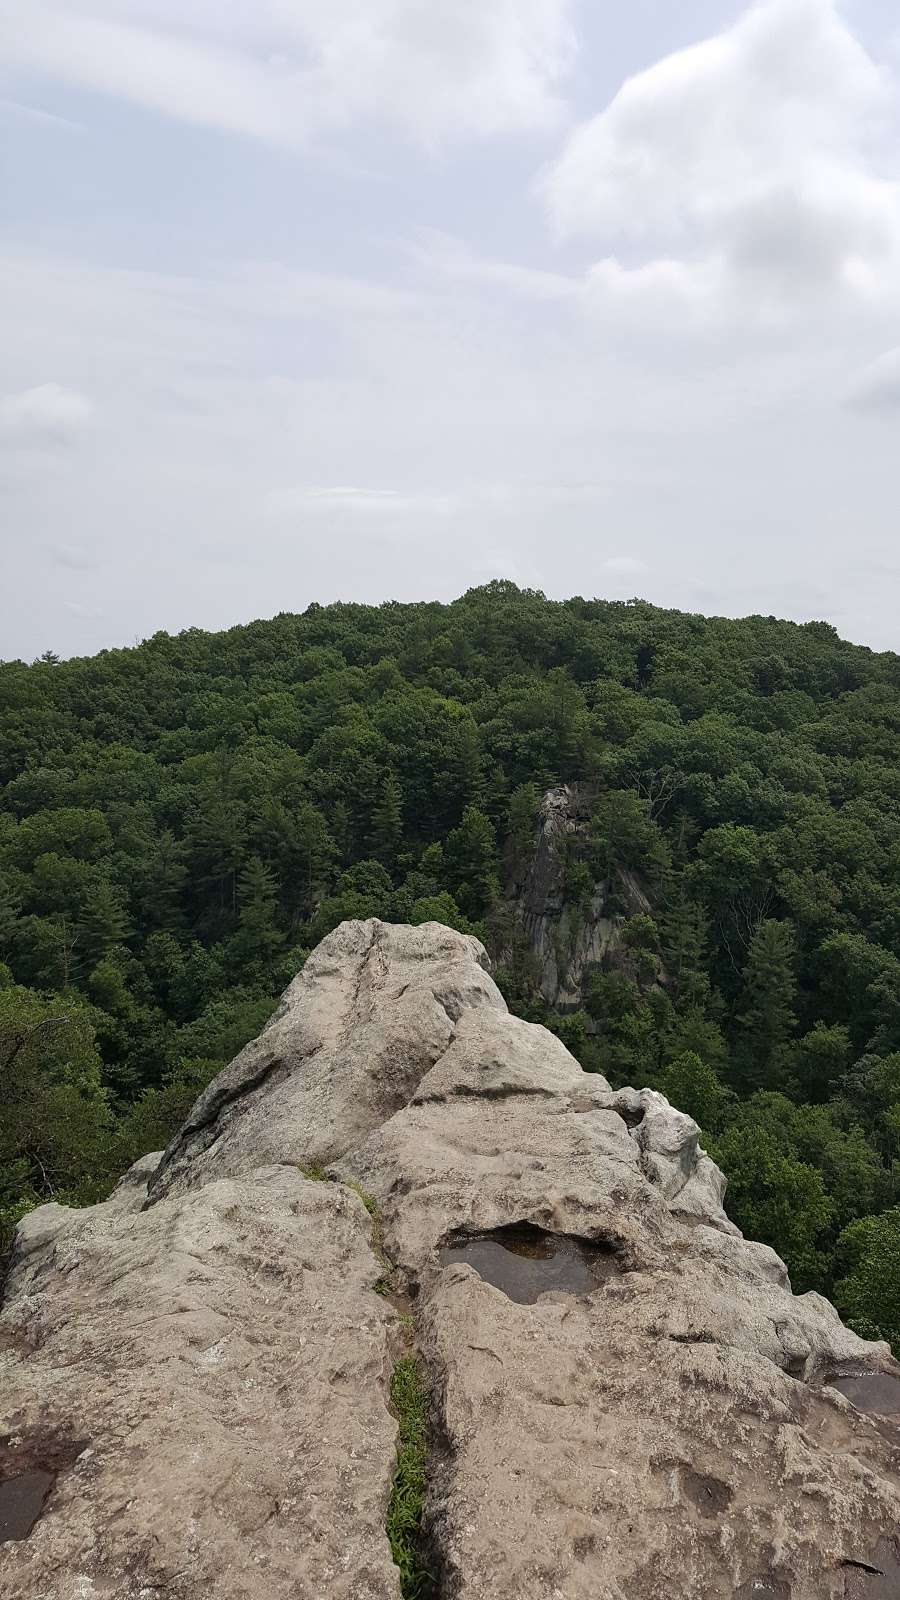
[(22, 1501), (875, 1392), (30, 1465), (527, 1262), (878, 1579), (671, 1428)]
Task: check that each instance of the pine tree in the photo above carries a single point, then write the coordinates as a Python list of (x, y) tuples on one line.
[(768, 1020), (387, 821), (522, 816), (684, 947), (169, 879), (470, 854), (9, 914), (104, 923), (258, 938), (341, 831)]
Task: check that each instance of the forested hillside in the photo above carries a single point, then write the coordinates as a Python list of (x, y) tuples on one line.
[(180, 822)]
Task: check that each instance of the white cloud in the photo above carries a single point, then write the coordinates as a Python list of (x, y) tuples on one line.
[(744, 166), (626, 565), (445, 256), (358, 502), (284, 70), (72, 556), (47, 414), (877, 387)]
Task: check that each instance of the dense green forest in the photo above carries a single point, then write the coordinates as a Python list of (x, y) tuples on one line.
[(181, 822)]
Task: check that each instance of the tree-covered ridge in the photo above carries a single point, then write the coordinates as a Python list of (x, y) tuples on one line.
[(181, 821)]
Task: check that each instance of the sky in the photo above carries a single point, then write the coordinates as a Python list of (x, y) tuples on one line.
[(305, 300)]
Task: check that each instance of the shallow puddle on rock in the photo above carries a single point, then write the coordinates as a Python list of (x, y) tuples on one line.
[(711, 1496), (875, 1392), (22, 1501), (877, 1579), (526, 1262)]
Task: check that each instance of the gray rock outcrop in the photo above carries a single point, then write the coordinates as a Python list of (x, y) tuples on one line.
[(565, 940), (627, 1401)]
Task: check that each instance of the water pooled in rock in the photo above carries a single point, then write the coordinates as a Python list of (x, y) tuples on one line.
[(526, 1262), (22, 1501), (710, 1495), (875, 1580), (875, 1392)]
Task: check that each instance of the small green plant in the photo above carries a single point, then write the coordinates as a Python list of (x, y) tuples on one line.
[(404, 1518), (367, 1199), (371, 1206), (314, 1172)]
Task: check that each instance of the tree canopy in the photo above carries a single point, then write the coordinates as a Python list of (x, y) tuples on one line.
[(180, 823)]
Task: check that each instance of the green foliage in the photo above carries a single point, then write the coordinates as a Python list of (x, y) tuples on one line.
[(470, 856), (694, 1087), (521, 822), (767, 1021), (258, 938), (774, 1197), (868, 1292), (182, 822), (57, 1136), (625, 836), (104, 922), (387, 820), (410, 1402), (151, 1121)]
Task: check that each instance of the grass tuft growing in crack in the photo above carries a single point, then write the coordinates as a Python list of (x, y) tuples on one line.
[(404, 1518), (368, 1200), (371, 1205)]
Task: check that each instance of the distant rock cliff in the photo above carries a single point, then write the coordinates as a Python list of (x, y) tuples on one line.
[(567, 938), (626, 1400)]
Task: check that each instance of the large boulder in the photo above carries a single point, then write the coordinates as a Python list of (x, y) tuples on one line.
[(627, 1400)]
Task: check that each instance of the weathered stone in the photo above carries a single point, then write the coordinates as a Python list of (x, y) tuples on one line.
[(372, 1011), (204, 1384), (661, 1421)]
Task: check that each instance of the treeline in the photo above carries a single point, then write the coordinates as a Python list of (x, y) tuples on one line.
[(181, 822)]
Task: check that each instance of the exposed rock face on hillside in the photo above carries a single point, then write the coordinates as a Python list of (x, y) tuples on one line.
[(628, 1403), (566, 941)]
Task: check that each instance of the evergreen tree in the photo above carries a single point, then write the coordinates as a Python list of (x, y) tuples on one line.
[(387, 821), (470, 856), (768, 1019), (694, 1087), (258, 938), (684, 946), (522, 817), (10, 906), (104, 923), (163, 892)]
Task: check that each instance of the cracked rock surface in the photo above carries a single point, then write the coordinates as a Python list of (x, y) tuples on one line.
[(211, 1358), (213, 1369)]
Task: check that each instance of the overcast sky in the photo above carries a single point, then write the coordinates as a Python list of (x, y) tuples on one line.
[(367, 299)]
